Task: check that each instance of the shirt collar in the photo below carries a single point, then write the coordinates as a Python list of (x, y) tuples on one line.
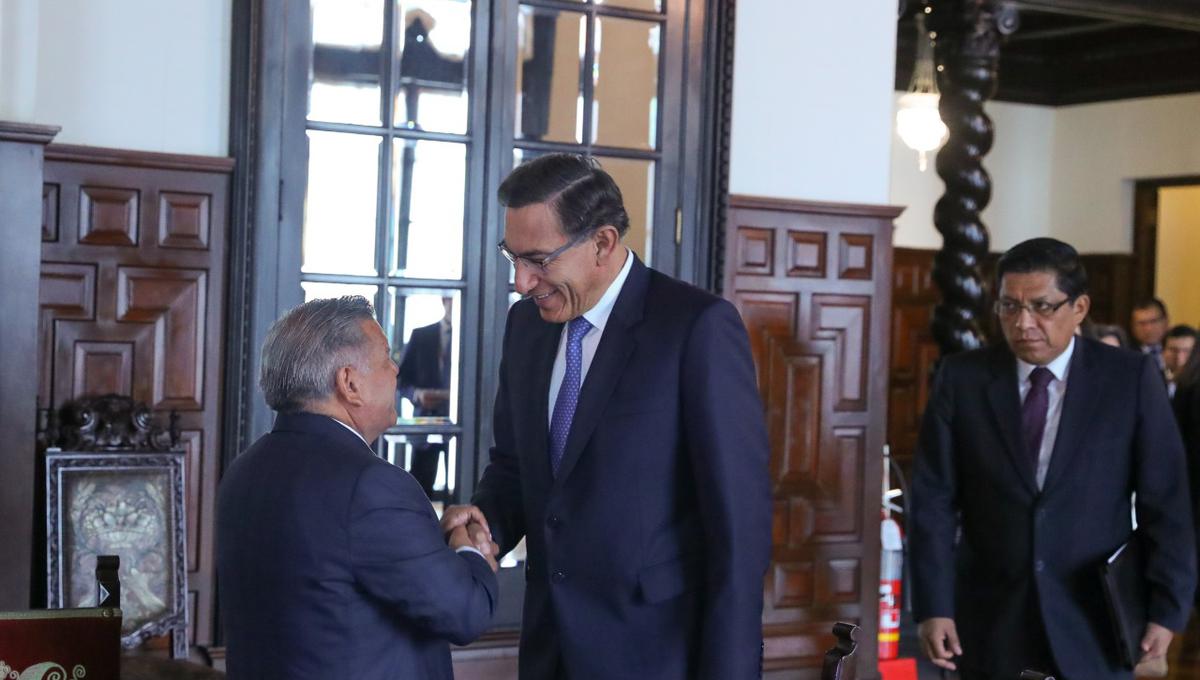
[(599, 313), (1059, 366), (356, 432)]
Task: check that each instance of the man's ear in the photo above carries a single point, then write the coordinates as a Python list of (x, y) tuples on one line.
[(347, 387), (607, 239)]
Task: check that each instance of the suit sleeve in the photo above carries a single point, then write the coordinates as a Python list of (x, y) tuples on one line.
[(1164, 509), (400, 558), (498, 493), (934, 506), (726, 437)]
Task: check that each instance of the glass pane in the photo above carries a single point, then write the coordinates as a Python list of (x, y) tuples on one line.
[(347, 67), (316, 290), (425, 344), (431, 458), (644, 5), (625, 109), (431, 63), (549, 96), (636, 180), (428, 195), (339, 209)]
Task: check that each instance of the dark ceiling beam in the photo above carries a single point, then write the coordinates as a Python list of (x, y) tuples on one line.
[(1180, 14), (1064, 32)]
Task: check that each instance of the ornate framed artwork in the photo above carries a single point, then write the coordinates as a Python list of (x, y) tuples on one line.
[(129, 503)]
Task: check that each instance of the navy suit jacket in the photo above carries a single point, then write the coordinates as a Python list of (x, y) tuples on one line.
[(332, 564), (422, 367), (646, 553), (1026, 555)]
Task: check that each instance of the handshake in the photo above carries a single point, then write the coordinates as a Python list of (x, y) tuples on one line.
[(464, 526)]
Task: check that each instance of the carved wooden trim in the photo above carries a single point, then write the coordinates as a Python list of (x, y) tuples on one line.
[(27, 132), (749, 202), (74, 153)]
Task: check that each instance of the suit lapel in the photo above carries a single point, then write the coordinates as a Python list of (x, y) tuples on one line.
[(543, 350), (608, 365), (1079, 403), (1005, 400)]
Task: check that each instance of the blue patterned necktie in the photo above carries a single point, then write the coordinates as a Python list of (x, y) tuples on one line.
[(568, 392)]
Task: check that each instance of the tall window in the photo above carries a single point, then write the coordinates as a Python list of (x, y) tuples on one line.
[(390, 129)]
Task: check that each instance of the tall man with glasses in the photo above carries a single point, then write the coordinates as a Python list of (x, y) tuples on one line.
[(630, 450), (1028, 457)]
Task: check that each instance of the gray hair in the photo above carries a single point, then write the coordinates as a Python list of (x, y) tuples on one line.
[(305, 348)]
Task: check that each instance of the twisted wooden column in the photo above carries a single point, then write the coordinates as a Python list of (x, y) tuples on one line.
[(969, 34)]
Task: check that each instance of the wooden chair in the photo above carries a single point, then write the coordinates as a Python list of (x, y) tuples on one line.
[(840, 661), (66, 643)]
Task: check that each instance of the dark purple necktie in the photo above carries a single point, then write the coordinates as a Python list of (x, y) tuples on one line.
[(1033, 412)]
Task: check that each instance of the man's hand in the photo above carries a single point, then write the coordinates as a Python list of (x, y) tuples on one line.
[(456, 516), (481, 539), (459, 538), (939, 641), (1155, 641)]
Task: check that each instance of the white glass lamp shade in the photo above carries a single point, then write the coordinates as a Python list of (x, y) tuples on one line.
[(919, 123)]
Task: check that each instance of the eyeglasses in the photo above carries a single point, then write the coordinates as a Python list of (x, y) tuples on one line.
[(1008, 309), (540, 263)]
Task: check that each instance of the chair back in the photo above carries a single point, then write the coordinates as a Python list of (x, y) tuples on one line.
[(840, 660)]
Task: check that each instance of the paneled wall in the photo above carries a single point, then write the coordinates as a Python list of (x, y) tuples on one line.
[(132, 302), (813, 284)]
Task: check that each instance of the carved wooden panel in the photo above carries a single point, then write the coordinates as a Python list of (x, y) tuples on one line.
[(818, 328), (755, 252), (108, 216), (806, 256), (49, 212), (131, 295), (183, 220)]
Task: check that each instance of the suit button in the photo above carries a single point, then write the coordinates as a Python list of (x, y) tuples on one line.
[(553, 522), (558, 576), (1039, 566)]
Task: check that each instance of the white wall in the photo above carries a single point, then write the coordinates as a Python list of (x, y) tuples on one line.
[(812, 103), (131, 74), (1100, 149), (1066, 172), (1021, 180)]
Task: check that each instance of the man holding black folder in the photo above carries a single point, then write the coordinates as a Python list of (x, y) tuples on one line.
[(1029, 457)]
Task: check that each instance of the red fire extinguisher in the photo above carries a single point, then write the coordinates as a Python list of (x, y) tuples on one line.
[(891, 566), (891, 569)]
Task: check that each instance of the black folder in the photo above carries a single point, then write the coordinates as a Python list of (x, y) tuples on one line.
[(1126, 592)]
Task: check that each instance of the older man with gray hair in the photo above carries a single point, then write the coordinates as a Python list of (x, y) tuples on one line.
[(331, 561)]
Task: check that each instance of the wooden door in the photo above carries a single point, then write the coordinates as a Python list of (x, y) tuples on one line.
[(813, 284), (132, 302)]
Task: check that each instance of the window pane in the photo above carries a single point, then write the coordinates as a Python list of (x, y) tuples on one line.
[(431, 62), (339, 209), (549, 97), (424, 336), (346, 61), (644, 5), (636, 180), (625, 110), (431, 458), (428, 195), (317, 290)]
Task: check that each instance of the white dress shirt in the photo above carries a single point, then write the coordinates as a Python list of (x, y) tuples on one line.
[(1060, 367), (598, 317)]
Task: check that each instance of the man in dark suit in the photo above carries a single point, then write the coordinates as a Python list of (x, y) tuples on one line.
[(331, 561), (424, 380), (1148, 324), (630, 449), (1030, 452)]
